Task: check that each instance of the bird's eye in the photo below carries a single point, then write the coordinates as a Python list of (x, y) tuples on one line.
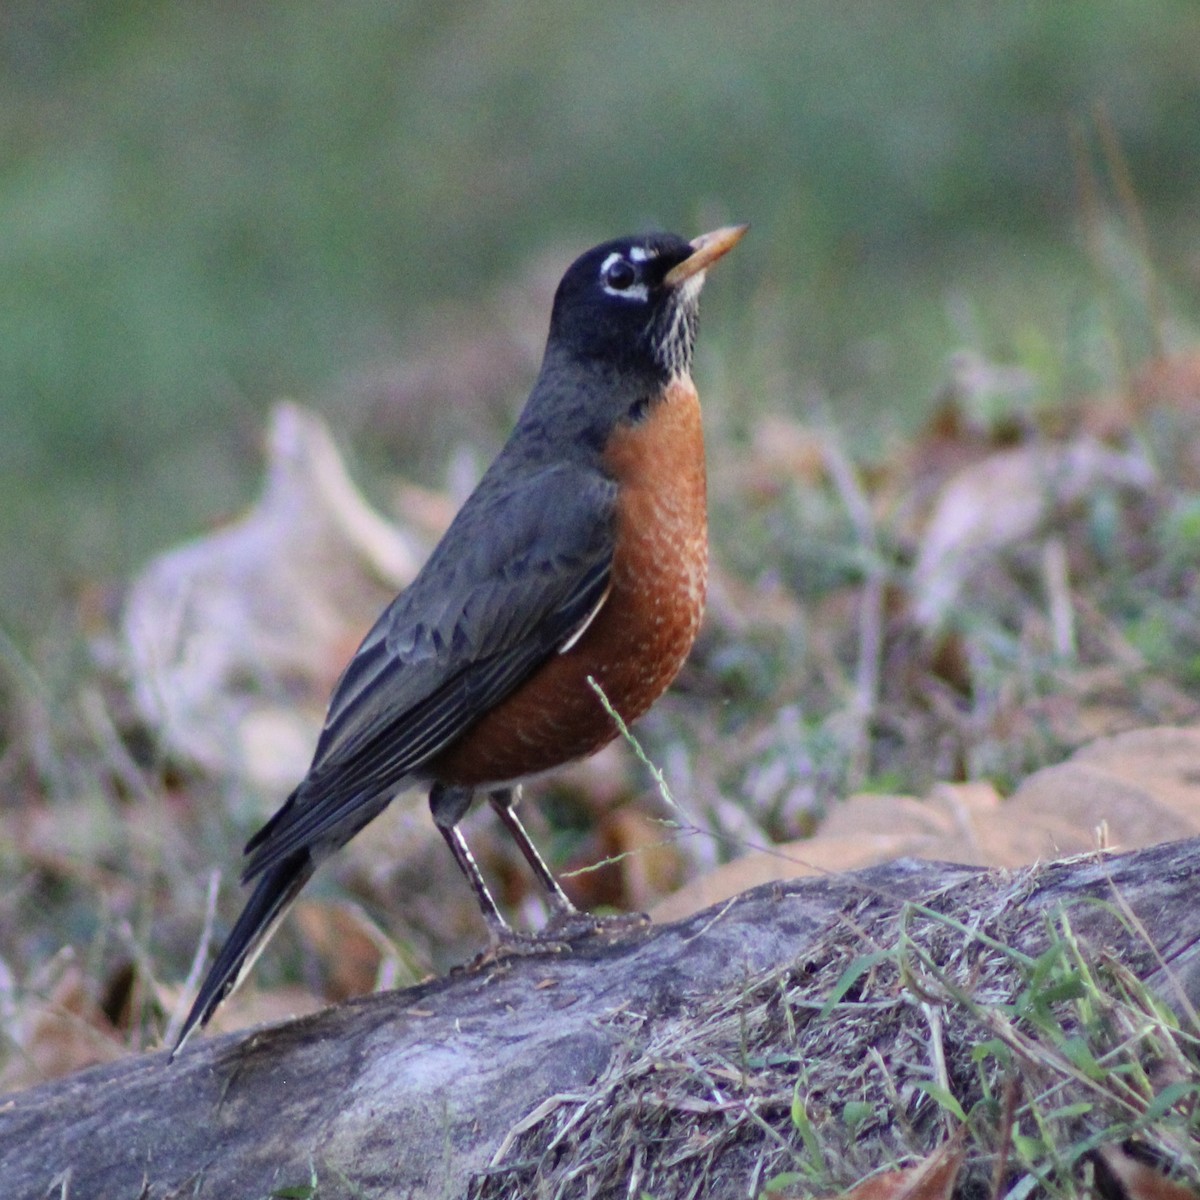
[(619, 274)]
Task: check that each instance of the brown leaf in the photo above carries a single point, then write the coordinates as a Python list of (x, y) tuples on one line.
[(865, 829), (1139, 786), (250, 1006), (933, 1179), (234, 640), (347, 944), (1120, 1176), (57, 1027), (1123, 792), (1001, 501), (649, 859)]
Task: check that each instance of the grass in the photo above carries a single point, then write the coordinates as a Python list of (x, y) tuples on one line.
[(1007, 1029)]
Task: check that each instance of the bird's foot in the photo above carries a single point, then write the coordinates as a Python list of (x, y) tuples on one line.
[(510, 943), (557, 936)]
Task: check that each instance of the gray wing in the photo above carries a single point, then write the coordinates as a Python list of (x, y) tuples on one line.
[(518, 572)]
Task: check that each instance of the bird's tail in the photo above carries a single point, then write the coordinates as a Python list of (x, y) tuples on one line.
[(267, 906)]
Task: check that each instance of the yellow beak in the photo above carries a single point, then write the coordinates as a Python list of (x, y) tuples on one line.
[(706, 249)]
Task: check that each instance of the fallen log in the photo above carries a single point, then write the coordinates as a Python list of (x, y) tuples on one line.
[(666, 1058)]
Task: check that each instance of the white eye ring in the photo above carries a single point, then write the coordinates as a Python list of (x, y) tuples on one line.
[(610, 278)]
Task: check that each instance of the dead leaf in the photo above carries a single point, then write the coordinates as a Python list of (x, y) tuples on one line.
[(56, 1027), (933, 1179), (250, 1006), (233, 641), (347, 944), (1001, 501), (737, 607), (988, 395), (782, 453), (1120, 1176), (865, 829), (1140, 788), (649, 859)]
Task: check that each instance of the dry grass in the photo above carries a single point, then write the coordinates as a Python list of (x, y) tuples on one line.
[(1044, 1047)]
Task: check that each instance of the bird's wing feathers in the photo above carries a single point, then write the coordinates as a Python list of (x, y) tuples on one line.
[(509, 584)]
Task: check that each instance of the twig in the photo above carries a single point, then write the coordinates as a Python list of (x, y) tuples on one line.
[(937, 1049), (543, 1110), (108, 741), (1008, 1123), (1058, 593), (870, 620), (660, 781), (199, 960)]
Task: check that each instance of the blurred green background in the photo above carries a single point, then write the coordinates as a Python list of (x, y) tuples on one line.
[(205, 206)]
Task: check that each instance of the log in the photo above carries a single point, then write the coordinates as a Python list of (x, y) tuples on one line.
[(481, 1083)]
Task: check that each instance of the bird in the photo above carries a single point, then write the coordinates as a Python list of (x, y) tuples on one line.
[(577, 566)]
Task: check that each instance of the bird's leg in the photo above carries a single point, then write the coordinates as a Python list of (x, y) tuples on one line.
[(566, 921), (449, 805), (505, 801)]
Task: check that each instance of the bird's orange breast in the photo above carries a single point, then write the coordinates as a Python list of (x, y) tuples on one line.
[(643, 632)]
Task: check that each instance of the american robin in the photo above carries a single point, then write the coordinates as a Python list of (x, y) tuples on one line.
[(582, 553)]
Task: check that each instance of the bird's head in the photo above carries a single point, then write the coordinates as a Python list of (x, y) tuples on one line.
[(631, 303)]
